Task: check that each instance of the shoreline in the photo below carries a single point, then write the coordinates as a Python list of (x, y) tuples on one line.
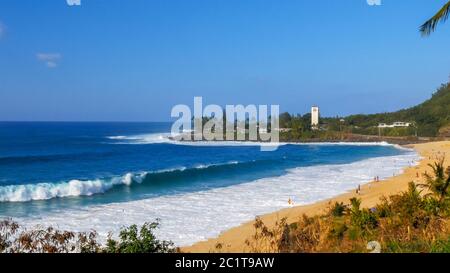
[(233, 240), (351, 138)]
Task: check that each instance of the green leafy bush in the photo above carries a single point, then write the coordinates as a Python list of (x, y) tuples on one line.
[(338, 209), (132, 240)]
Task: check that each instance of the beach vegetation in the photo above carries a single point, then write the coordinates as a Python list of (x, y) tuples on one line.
[(268, 240), (138, 240), (438, 185), (416, 220), (338, 209), (14, 239)]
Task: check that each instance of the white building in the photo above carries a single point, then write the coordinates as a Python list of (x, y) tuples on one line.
[(395, 124), (315, 114)]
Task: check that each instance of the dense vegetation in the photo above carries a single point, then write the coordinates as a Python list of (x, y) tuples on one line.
[(13, 239), (430, 118), (414, 221)]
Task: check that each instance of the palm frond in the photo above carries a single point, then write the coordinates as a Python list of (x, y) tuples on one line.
[(429, 26)]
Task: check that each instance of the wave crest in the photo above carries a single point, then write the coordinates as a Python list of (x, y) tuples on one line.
[(72, 188), (45, 191)]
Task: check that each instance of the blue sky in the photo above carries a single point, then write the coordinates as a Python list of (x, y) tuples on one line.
[(117, 60)]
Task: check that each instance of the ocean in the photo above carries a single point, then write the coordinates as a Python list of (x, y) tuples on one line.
[(103, 176)]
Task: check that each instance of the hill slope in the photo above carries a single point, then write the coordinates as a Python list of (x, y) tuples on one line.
[(432, 116)]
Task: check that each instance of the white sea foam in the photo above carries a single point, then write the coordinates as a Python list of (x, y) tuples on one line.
[(158, 138), (190, 217), (117, 137), (166, 138), (143, 139), (45, 191)]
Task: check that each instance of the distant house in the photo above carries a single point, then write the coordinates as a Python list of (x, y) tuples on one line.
[(402, 124), (394, 125), (281, 130)]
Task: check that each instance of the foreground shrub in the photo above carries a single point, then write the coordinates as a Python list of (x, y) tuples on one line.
[(143, 241), (438, 185), (44, 240), (362, 219), (338, 209), (268, 239), (13, 239)]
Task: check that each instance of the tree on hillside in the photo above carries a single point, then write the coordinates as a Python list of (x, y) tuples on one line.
[(285, 120), (441, 16)]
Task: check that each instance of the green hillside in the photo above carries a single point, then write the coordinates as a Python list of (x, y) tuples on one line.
[(432, 116)]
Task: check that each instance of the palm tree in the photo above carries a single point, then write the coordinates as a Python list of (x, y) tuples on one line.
[(439, 182), (429, 26)]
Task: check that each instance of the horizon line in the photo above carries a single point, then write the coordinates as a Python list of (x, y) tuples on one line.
[(81, 121)]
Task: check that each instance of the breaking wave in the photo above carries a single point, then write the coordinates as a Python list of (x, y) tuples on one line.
[(45, 191)]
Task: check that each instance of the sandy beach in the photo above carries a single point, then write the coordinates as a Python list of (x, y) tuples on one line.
[(233, 240)]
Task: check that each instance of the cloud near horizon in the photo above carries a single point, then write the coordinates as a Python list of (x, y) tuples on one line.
[(50, 59)]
